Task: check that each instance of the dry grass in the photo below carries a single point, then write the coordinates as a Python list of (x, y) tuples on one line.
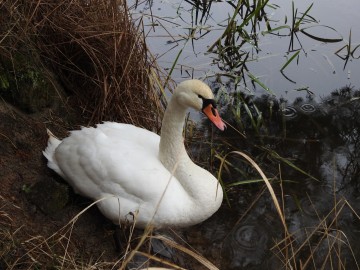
[(57, 251), (60, 250), (326, 238), (96, 52)]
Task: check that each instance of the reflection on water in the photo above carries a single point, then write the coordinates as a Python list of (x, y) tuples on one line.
[(313, 148), (177, 30)]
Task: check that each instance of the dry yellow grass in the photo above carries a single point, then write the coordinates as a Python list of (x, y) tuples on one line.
[(96, 52)]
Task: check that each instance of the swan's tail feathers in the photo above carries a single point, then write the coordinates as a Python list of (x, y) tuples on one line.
[(49, 153)]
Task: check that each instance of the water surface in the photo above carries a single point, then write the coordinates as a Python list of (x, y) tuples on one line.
[(318, 69)]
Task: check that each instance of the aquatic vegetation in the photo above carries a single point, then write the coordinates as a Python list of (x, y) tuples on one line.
[(258, 45), (348, 51), (240, 42)]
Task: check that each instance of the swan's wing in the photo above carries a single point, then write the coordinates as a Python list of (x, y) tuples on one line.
[(114, 159)]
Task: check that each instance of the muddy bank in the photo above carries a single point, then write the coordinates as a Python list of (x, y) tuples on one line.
[(33, 199)]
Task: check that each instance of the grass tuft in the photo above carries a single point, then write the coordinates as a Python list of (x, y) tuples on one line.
[(96, 52)]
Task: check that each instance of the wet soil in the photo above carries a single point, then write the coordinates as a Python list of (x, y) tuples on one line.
[(33, 199)]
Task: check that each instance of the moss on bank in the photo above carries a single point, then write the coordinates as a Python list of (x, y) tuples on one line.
[(24, 84)]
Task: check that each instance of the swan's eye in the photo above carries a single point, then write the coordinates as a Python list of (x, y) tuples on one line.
[(200, 96), (207, 102)]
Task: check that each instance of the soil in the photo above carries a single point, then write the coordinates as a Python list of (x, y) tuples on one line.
[(36, 205)]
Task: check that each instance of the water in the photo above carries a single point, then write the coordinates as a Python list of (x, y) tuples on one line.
[(308, 141), (319, 70)]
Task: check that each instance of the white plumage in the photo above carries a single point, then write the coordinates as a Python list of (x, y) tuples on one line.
[(138, 176)]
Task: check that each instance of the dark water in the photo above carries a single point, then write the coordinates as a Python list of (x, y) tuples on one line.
[(311, 151)]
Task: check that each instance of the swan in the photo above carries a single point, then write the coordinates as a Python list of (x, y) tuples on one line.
[(137, 176)]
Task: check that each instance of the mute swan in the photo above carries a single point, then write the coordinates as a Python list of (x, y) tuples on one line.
[(137, 176)]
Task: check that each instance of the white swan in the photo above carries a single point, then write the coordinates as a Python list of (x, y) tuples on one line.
[(137, 175)]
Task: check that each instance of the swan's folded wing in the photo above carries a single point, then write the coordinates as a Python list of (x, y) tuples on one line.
[(116, 161)]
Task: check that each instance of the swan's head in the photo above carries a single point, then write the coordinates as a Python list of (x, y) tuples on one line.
[(198, 95)]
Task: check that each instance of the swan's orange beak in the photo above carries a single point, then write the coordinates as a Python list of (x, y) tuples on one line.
[(213, 115)]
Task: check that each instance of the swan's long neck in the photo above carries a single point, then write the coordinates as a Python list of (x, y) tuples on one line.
[(198, 183), (172, 149)]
